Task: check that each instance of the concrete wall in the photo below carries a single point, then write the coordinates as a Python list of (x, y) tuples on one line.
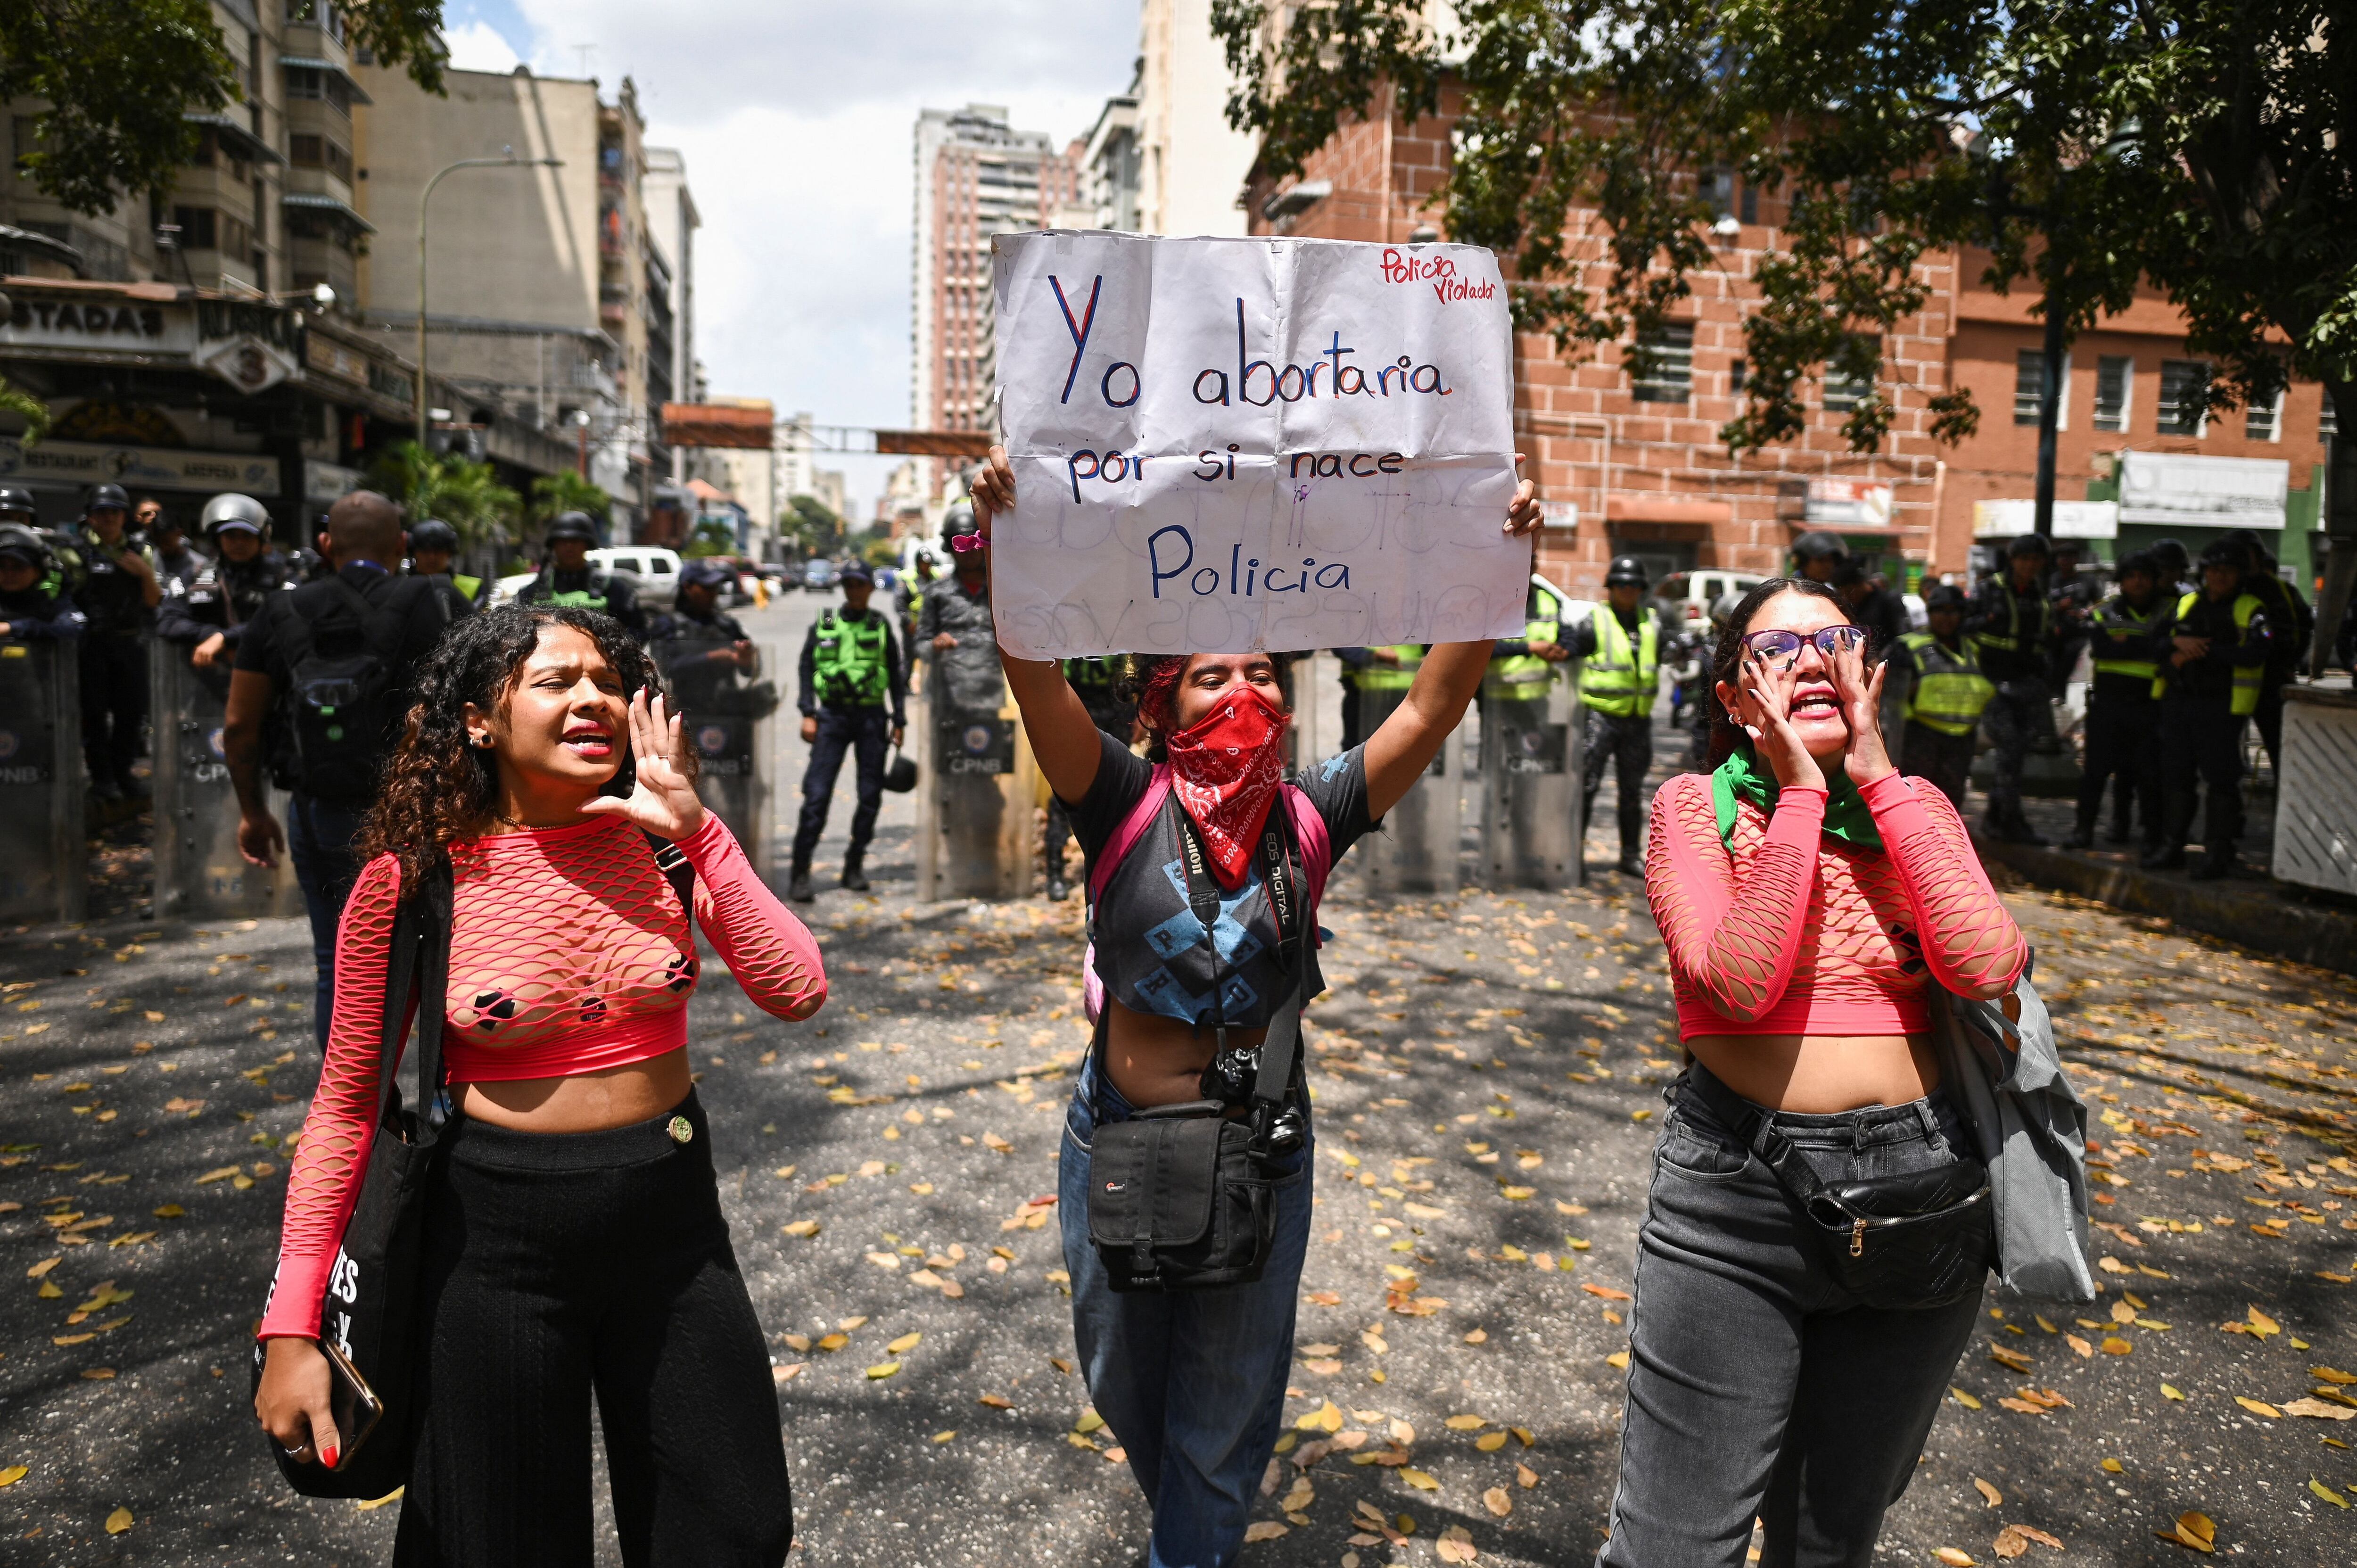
[(1192, 165)]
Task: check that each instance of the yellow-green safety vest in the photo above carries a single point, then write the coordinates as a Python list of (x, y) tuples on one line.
[(1523, 677), (1393, 677), (2116, 622), (2246, 700), (468, 586), (849, 661), (2012, 640), (1950, 689), (1620, 679)]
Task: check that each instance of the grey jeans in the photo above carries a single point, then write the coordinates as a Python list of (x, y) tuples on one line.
[(1756, 1386)]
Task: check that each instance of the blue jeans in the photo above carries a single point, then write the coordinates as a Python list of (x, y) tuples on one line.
[(319, 838), (1192, 1383)]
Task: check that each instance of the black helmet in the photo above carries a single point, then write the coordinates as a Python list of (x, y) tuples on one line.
[(958, 521), (1942, 596), (2030, 544), (107, 498), (573, 525), (15, 539), (2227, 551), (1816, 544), (1626, 571), (2145, 561), (17, 500), (2172, 555), (231, 509), (433, 534), (706, 572)]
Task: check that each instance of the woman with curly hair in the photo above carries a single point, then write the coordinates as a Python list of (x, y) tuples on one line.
[(574, 1240), (1193, 1381)]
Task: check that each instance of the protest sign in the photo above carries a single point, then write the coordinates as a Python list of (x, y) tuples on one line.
[(1225, 444)]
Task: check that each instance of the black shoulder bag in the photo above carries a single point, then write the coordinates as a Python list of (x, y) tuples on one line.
[(369, 1317), (1183, 1197)]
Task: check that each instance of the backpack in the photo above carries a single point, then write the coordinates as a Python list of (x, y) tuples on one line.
[(1309, 831), (339, 649)]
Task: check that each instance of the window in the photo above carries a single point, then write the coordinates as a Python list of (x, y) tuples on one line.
[(1748, 208), (2263, 421), (1734, 376), (317, 13), (1716, 189), (2114, 383), (2327, 423), (2183, 406), (1661, 366), (319, 151), (1842, 393), (197, 232), (2028, 376), (323, 86)]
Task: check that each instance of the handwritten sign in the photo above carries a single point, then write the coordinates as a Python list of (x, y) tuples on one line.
[(1225, 444)]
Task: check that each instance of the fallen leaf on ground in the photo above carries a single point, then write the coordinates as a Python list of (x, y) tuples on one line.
[(2015, 1539), (118, 1522), (2079, 1347), (1964, 1399), (1607, 1292), (1463, 1423), (882, 1370), (2327, 1493), (906, 1343), (2319, 1410), (1491, 1441), (1266, 1530), (1526, 1477), (1456, 1545), (2114, 1345), (1954, 1557), (2005, 1357), (2197, 1531), (1419, 1480), (1991, 1494), (803, 1228), (14, 1474), (2258, 1407), (2261, 1324)]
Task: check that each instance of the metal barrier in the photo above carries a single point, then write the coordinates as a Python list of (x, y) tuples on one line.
[(977, 811), (1415, 849), (2316, 803), (44, 862), (199, 873), (1531, 778), (727, 717)]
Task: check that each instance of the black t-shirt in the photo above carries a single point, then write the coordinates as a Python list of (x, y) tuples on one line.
[(1151, 951), (413, 604)]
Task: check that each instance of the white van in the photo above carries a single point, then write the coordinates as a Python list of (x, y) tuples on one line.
[(654, 572)]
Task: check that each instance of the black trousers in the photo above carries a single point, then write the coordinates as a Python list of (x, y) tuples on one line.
[(2270, 718), (2019, 719), (562, 1264), (1351, 736), (1945, 759), (1627, 744), (114, 703), (868, 733), (2202, 750), (2122, 750)]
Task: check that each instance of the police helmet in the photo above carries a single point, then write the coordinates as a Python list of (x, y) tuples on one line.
[(1944, 597), (2172, 555), (108, 498), (1626, 571), (17, 539), (958, 522), (2027, 545), (573, 525), (433, 534), (1817, 545), (2227, 551), (2140, 561), (706, 572), (231, 509), (1722, 608), (15, 501)]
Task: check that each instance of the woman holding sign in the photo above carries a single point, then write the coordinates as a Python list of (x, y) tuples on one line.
[(1184, 1176)]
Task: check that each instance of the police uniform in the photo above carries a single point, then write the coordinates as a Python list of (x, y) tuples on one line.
[(2013, 632), (1098, 682), (2204, 704), (1946, 695), (699, 683), (965, 679), (589, 588), (855, 685), (225, 598), (113, 600), (42, 612), (1617, 686), (2123, 719)]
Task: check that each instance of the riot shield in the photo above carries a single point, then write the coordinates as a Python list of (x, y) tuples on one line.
[(44, 862), (1530, 786), (977, 829), (200, 875), (1415, 849), (725, 711)]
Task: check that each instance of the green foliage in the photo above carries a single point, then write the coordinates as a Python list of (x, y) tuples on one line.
[(15, 400), (879, 552), (467, 496), (812, 524), (2207, 146), (120, 76), (565, 491), (715, 535)]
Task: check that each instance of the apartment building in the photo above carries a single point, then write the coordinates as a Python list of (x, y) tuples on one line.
[(1192, 165)]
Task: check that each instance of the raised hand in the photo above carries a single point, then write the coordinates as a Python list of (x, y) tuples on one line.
[(1523, 514), (994, 489), (664, 802), (1766, 711), (1865, 758)]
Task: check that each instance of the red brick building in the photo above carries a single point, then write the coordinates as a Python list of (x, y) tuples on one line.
[(1638, 466)]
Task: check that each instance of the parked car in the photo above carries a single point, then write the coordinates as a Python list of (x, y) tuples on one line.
[(1685, 597), (819, 576), (654, 572)]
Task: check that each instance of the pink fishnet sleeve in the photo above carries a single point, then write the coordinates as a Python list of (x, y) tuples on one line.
[(1733, 942), (773, 956), (1968, 937), (325, 1180)]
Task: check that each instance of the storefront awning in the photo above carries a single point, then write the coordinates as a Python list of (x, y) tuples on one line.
[(238, 137), (313, 62), (311, 202)]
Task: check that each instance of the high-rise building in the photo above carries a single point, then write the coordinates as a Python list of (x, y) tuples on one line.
[(975, 177), (1191, 165), (1108, 164), (672, 224)]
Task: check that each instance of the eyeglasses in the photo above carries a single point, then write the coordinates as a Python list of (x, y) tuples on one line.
[(966, 544), (1781, 650)]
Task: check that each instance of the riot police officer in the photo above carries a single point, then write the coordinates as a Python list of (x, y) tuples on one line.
[(34, 606), (851, 672), (1621, 642), (2012, 624), (1819, 557), (209, 617), (908, 593), (1939, 670), (956, 632), (2218, 645), (2073, 595), (2122, 714), (1103, 686), (2291, 623), (714, 655), (566, 578), (175, 560), (118, 598), (432, 545)]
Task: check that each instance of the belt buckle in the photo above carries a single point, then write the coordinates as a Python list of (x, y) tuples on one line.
[(681, 1129)]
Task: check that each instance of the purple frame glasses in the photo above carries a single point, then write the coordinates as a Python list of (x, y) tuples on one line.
[(1781, 650)]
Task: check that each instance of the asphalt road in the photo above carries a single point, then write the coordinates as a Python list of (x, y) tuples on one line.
[(1487, 1071)]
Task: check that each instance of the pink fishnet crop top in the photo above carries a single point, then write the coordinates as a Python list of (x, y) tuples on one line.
[(1784, 931), (569, 953)]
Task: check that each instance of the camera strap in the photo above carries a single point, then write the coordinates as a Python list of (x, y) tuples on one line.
[(1280, 1047)]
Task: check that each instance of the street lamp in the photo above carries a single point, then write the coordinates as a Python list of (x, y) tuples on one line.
[(509, 160)]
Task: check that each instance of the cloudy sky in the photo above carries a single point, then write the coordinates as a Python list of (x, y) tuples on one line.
[(796, 120)]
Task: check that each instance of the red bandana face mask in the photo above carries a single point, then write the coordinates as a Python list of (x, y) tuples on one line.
[(1226, 770)]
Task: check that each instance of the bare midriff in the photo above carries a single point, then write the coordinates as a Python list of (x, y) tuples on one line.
[(581, 1102), (1821, 1074), (1153, 1060)]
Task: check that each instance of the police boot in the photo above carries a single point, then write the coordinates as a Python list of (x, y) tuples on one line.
[(2018, 830), (2163, 857), (2214, 865), (1057, 889), (798, 889), (2082, 836), (854, 878)]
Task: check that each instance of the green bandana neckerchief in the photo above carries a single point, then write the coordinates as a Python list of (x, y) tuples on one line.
[(1741, 778)]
